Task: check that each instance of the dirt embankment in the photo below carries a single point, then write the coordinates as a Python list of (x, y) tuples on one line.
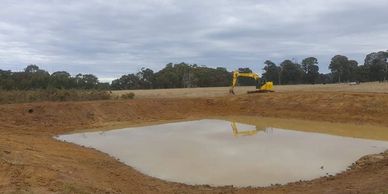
[(30, 160)]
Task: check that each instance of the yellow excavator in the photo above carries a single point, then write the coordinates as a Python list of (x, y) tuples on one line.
[(261, 86)]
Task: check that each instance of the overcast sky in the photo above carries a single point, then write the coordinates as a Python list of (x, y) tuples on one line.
[(112, 38)]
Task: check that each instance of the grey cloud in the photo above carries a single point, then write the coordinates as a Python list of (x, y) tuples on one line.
[(111, 38)]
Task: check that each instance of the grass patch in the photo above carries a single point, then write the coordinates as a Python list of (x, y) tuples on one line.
[(72, 189), (129, 95)]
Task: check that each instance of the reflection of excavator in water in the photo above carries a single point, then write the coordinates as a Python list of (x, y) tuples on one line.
[(238, 133), (261, 85)]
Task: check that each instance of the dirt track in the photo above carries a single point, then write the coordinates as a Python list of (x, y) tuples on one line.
[(32, 161)]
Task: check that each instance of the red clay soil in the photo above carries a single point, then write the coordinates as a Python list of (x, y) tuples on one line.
[(31, 161)]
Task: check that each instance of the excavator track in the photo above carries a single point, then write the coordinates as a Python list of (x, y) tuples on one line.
[(260, 91)]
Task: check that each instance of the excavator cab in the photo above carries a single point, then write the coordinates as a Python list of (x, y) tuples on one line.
[(262, 85)]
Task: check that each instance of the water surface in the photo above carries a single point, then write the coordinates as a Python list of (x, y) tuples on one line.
[(218, 152)]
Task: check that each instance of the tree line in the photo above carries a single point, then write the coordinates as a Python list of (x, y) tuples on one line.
[(180, 75), (343, 69), (33, 78), (183, 75)]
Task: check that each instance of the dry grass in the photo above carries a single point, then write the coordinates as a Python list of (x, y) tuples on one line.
[(373, 87)]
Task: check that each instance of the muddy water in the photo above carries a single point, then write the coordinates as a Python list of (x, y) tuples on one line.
[(219, 152)]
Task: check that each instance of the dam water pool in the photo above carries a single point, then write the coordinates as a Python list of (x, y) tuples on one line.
[(218, 152)]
